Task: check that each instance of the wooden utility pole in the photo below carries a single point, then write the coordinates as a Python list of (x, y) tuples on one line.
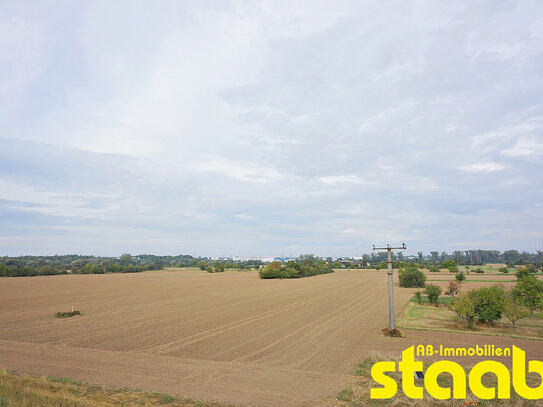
[(389, 249)]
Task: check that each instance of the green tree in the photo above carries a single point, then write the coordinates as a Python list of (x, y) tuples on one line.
[(418, 297), (464, 307), (489, 303), (412, 277), (529, 292), (126, 259), (203, 265), (514, 310), (433, 292)]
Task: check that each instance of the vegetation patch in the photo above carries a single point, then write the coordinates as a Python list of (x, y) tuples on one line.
[(29, 391), (67, 314), (295, 269), (411, 276)]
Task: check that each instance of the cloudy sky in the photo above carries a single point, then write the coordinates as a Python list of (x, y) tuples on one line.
[(270, 128)]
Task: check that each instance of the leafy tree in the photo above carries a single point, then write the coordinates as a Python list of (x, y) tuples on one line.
[(503, 270), (489, 303), (450, 264), (433, 292), (203, 265), (464, 307), (514, 310), (126, 259), (529, 292), (418, 296), (412, 277)]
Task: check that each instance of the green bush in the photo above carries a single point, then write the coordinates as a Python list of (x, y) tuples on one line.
[(503, 270), (67, 314), (460, 276), (412, 277), (450, 265), (433, 292)]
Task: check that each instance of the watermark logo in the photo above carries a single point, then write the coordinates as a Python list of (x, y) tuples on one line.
[(460, 380)]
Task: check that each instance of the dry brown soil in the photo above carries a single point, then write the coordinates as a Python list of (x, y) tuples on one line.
[(228, 337)]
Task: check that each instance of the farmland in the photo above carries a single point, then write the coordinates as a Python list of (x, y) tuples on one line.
[(228, 337)]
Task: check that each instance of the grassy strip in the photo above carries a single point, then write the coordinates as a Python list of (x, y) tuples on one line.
[(28, 391), (424, 299), (479, 281), (468, 331)]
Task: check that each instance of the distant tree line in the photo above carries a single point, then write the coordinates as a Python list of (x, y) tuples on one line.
[(461, 257), (23, 266)]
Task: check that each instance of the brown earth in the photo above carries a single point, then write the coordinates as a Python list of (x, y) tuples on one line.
[(227, 337)]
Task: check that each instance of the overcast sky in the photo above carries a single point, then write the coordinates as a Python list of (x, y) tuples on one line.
[(270, 128)]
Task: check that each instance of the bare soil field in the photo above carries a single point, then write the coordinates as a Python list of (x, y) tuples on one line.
[(228, 337)]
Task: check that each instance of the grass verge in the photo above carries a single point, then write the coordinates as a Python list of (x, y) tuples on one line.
[(29, 391)]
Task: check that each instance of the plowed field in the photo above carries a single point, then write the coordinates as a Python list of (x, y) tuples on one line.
[(227, 337)]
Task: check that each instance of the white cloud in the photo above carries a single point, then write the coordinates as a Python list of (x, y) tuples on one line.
[(244, 172), (482, 167), (524, 147), (345, 179)]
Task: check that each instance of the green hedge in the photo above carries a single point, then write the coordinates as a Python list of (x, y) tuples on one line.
[(293, 269)]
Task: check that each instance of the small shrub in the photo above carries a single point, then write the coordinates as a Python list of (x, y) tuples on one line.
[(67, 314), (418, 297), (345, 395), (503, 270), (434, 269), (433, 292), (460, 276), (479, 270), (453, 288)]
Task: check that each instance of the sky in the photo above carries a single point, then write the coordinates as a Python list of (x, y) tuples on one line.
[(258, 128)]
